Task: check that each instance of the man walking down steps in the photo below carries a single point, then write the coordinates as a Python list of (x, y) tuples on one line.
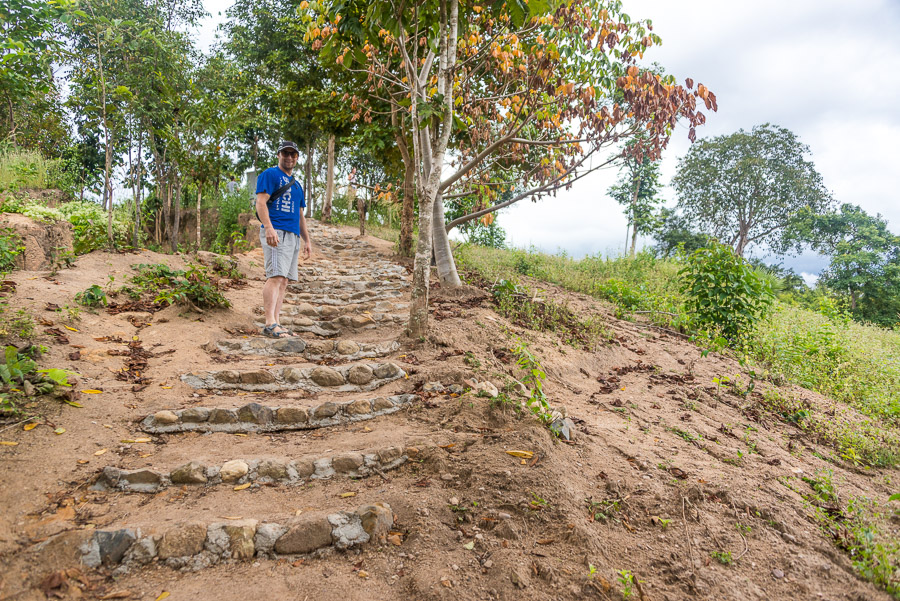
[(279, 206)]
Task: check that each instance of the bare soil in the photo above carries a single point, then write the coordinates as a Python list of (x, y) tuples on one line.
[(655, 454)]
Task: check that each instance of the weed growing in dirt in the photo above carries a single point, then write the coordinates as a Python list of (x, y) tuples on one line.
[(626, 580), (94, 296), (723, 557), (10, 247), (194, 287), (20, 377), (534, 379)]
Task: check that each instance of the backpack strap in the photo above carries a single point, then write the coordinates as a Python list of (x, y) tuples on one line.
[(278, 193)]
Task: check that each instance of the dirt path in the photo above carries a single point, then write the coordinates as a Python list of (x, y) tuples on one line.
[(342, 465)]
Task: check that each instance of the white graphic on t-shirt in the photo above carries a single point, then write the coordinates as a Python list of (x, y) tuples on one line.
[(284, 203)]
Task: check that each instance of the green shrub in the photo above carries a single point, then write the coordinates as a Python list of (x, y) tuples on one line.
[(10, 247), (723, 293), (92, 297), (89, 222), (195, 286)]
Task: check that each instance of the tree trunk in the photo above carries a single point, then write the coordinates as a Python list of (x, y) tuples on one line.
[(418, 306), (634, 224), (409, 188), (443, 255), (107, 187), (176, 214), (308, 179), (360, 207), (199, 198), (329, 182), (137, 196)]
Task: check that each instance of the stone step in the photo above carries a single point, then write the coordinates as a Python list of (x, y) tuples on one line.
[(355, 298), (330, 311), (236, 472), (332, 326), (254, 417), (198, 544), (345, 378), (314, 350)]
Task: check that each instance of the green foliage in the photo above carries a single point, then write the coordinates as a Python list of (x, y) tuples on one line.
[(626, 581), (89, 225), (19, 371), (723, 557), (10, 247), (94, 296), (534, 379), (20, 168), (195, 286), (723, 294)]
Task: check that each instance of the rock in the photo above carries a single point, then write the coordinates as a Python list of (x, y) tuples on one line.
[(326, 410), (182, 541), (486, 388), (165, 417), (377, 520), (43, 242), (519, 578), (257, 377), (241, 534), (326, 376), (138, 477), (777, 574), (304, 468), (390, 454), (347, 347), (195, 415), (563, 427), (289, 346), (266, 535), (254, 413), (113, 545), (360, 321), (319, 347), (348, 462), (189, 473), (291, 415), (222, 416), (386, 370), (436, 387), (292, 375), (272, 469), (306, 309), (229, 376), (360, 407), (258, 343), (507, 531), (456, 389), (360, 375), (521, 390), (142, 551), (347, 530), (305, 534), (233, 470)]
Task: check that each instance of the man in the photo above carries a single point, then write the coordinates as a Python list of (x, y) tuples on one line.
[(279, 207), (232, 185)]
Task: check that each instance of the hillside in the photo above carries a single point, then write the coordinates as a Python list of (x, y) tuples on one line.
[(354, 463)]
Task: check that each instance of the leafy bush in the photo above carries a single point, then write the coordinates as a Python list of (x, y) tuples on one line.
[(92, 297), (89, 223), (24, 169), (42, 213), (195, 286), (10, 248), (723, 294), (229, 208)]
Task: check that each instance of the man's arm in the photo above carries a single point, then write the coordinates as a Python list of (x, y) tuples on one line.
[(262, 209), (307, 246)]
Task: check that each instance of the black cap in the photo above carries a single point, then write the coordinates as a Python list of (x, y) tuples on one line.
[(287, 145)]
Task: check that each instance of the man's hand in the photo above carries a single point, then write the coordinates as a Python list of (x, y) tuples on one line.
[(271, 236), (307, 249)]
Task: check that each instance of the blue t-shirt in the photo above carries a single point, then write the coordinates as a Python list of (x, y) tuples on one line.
[(285, 210)]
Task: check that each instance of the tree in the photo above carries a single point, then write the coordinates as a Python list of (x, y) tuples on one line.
[(674, 233), (865, 260), (747, 188), (531, 90), (637, 189)]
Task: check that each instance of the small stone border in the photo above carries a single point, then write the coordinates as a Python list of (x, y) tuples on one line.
[(345, 378), (345, 350), (255, 471), (341, 299), (330, 327), (196, 545), (254, 417), (328, 312)]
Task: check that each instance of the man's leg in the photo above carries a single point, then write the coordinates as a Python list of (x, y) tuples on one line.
[(273, 295)]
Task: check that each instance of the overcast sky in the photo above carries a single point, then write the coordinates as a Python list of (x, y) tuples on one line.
[(825, 69)]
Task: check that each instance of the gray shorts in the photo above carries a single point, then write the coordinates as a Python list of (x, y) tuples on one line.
[(281, 260)]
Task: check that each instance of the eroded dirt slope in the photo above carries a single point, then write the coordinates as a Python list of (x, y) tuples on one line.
[(351, 463)]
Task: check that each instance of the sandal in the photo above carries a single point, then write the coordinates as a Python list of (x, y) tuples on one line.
[(290, 333), (269, 331)]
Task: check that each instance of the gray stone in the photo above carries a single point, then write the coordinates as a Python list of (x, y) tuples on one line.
[(347, 347), (519, 578), (182, 541), (326, 376), (165, 417), (563, 427), (348, 531), (326, 410), (360, 375), (254, 413), (189, 473), (291, 415), (266, 535), (257, 377), (195, 415), (377, 520), (240, 535), (305, 534), (319, 347), (386, 370), (433, 387), (290, 346), (229, 376), (506, 530), (222, 416), (348, 462), (389, 454), (113, 545), (304, 468), (231, 345), (486, 388), (258, 343), (381, 404), (356, 408), (456, 389), (147, 477), (292, 374), (233, 470), (143, 551), (270, 468)]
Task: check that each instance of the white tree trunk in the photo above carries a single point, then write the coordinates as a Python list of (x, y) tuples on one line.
[(199, 198), (329, 182), (443, 254)]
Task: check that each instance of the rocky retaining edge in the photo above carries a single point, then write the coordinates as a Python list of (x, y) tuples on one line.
[(257, 471), (347, 378), (315, 350), (196, 545), (254, 417)]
